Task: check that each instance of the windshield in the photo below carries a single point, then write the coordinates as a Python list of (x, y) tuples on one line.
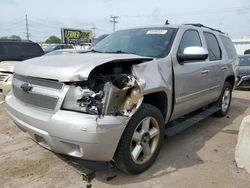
[(245, 61), (151, 42)]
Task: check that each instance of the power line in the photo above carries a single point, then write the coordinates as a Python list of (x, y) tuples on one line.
[(114, 21), (27, 27)]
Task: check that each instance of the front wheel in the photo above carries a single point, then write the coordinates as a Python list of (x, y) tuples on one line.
[(225, 100), (141, 141)]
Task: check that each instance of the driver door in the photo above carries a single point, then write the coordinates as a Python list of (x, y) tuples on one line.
[(190, 77)]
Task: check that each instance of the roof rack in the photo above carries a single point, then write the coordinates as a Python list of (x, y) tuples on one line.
[(200, 25)]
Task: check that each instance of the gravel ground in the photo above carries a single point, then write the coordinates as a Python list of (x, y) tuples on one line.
[(202, 156)]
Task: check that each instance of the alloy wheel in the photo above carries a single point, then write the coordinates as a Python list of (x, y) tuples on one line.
[(226, 100), (145, 140)]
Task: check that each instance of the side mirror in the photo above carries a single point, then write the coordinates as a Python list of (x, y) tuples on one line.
[(193, 53)]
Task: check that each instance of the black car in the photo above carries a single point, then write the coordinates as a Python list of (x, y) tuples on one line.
[(247, 52), (19, 50), (244, 72)]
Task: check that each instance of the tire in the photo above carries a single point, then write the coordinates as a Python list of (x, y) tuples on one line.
[(224, 101), (139, 148)]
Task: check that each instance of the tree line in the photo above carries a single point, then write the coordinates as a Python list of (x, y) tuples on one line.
[(51, 40)]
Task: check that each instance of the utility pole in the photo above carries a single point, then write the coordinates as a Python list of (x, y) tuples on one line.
[(93, 28), (27, 27), (114, 21)]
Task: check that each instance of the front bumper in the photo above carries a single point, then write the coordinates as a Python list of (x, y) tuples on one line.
[(71, 133), (244, 82)]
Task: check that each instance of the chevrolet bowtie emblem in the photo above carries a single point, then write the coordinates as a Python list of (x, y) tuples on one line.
[(26, 87)]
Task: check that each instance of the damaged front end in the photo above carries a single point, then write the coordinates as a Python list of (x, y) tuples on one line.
[(116, 92)]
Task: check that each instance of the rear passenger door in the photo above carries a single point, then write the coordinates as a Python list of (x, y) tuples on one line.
[(214, 65)]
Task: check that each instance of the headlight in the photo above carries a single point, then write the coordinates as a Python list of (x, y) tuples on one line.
[(83, 100)]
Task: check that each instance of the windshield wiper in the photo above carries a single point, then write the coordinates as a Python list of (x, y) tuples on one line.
[(121, 52), (95, 51), (110, 52)]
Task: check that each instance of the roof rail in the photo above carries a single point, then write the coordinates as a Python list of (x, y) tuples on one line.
[(200, 25)]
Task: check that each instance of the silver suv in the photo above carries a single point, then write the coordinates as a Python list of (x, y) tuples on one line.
[(113, 103)]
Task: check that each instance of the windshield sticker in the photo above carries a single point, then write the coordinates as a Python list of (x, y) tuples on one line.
[(157, 32)]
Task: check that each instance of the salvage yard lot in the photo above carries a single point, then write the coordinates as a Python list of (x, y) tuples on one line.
[(202, 156)]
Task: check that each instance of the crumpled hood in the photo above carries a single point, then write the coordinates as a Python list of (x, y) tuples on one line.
[(7, 66), (71, 67)]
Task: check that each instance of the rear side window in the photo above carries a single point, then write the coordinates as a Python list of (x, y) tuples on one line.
[(229, 47), (190, 38), (214, 51)]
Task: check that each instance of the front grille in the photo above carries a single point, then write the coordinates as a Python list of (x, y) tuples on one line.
[(37, 99), (3, 76), (40, 82)]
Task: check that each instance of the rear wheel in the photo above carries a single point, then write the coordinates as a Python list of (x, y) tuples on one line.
[(224, 100), (141, 141)]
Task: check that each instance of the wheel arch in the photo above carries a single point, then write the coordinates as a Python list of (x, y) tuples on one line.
[(231, 79), (158, 99)]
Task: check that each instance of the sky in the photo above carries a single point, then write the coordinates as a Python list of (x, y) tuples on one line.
[(46, 17)]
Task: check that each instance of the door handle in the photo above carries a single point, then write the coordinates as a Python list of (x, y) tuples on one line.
[(224, 68), (205, 72)]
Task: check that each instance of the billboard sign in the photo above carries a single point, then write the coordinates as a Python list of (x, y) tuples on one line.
[(76, 36)]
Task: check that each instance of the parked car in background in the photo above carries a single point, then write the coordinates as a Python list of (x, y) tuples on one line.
[(244, 72), (11, 52), (84, 46), (66, 51), (116, 102), (52, 47), (247, 52), (98, 39)]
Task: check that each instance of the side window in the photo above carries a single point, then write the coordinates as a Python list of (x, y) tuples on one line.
[(229, 47), (214, 51), (190, 38)]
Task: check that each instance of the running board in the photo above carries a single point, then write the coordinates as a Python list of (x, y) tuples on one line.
[(180, 125)]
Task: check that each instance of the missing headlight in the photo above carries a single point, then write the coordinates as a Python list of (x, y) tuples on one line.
[(105, 95), (83, 100)]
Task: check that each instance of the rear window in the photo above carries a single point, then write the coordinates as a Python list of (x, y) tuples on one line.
[(230, 49), (19, 51)]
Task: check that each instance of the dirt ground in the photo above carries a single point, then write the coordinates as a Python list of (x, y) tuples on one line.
[(202, 156)]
